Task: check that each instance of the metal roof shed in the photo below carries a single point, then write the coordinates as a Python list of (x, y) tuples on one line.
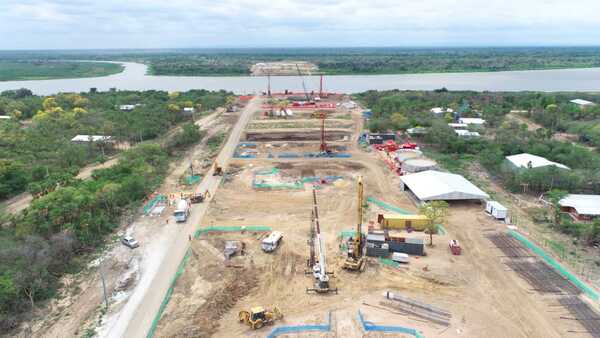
[(588, 205), (432, 185)]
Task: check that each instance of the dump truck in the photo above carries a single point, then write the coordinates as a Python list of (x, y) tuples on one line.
[(257, 317), (401, 222)]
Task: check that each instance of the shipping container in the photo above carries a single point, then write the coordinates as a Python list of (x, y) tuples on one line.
[(401, 222)]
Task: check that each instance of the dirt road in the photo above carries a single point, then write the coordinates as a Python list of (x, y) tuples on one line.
[(137, 315)]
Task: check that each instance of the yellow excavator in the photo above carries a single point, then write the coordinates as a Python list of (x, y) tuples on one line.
[(355, 261), (257, 317)]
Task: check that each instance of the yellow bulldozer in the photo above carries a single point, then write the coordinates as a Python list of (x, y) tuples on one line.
[(258, 316)]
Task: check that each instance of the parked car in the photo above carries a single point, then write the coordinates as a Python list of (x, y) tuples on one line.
[(130, 242)]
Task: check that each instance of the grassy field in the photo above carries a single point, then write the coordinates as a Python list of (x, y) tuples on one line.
[(44, 70)]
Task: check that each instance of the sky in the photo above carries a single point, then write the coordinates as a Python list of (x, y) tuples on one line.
[(104, 24)]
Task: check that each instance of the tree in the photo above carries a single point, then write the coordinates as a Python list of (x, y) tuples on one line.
[(554, 196), (436, 212), (399, 121)]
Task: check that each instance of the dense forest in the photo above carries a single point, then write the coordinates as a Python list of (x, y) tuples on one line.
[(70, 217), (204, 62), (17, 70), (504, 135)]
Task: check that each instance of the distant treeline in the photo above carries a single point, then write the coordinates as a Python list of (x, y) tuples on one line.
[(339, 60)]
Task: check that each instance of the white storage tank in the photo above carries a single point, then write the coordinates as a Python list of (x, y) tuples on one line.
[(496, 209), (405, 155), (416, 165)]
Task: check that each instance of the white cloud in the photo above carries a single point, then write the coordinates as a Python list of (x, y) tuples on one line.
[(203, 23)]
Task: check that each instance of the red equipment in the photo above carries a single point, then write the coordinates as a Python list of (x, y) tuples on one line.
[(389, 146), (454, 247), (408, 146)]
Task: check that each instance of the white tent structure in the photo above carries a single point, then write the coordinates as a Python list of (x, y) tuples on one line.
[(526, 160), (432, 185)]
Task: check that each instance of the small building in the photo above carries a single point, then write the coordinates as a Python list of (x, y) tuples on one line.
[(127, 107), (432, 185), (467, 134), (496, 209), (91, 138), (471, 121), (416, 131), (529, 161), (440, 112), (581, 207), (188, 111), (348, 105), (583, 103), (411, 246), (376, 245), (380, 138), (458, 125), (401, 222)]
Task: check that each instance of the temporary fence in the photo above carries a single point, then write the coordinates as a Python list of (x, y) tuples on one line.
[(368, 326), (249, 228), (186, 258), (276, 186), (148, 206), (441, 230), (301, 328), (167, 298), (192, 179), (389, 262), (272, 171), (389, 207), (327, 155), (557, 266)]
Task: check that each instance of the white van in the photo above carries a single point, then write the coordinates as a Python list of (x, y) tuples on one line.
[(182, 211), (271, 242)]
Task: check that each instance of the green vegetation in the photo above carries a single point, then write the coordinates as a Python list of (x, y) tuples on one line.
[(71, 217), (214, 142), (336, 61), (503, 136), (44, 70), (39, 156)]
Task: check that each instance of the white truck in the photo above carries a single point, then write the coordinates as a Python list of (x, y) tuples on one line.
[(182, 211), (271, 242)]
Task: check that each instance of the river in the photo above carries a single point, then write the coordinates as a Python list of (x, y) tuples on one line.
[(134, 78)]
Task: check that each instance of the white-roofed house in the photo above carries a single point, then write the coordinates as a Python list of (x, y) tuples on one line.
[(466, 133), (441, 112), (91, 138), (432, 185), (472, 121), (583, 103), (127, 107), (529, 161), (581, 207)]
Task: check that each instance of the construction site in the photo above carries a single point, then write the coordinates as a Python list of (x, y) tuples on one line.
[(316, 232)]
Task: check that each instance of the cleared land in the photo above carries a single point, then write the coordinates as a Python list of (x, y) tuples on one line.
[(478, 289)]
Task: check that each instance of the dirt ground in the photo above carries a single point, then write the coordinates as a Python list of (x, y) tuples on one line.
[(483, 296)]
